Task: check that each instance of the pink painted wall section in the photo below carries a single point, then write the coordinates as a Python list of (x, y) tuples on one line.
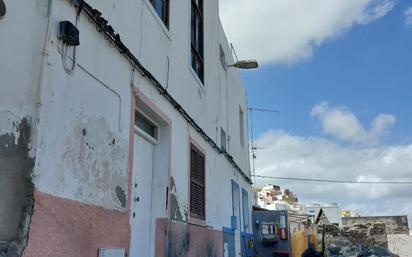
[(185, 240), (65, 228), (161, 237), (131, 149)]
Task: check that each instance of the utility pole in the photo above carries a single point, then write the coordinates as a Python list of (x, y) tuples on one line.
[(253, 148)]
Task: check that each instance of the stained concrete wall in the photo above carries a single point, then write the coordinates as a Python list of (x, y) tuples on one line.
[(83, 138), (23, 29), (81, 122), (16, 188), (86, 168), (394, 224), (183, 240), (62, 227)]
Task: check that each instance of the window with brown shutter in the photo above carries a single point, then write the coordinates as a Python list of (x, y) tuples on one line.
[(197, 183)]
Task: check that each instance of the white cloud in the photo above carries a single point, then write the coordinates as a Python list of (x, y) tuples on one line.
[(287, 155), (408, 17), (287, 31), (343, 124)]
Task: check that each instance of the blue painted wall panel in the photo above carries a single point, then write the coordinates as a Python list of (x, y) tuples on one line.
[(229, 242)]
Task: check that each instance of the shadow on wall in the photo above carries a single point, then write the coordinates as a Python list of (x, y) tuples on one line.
[(16, 187)]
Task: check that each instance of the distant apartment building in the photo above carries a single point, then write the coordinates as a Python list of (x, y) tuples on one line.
[(272, 197), (123, 131)]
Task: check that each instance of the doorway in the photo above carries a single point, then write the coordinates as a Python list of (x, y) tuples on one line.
[(141, 240), (149, 180), (236, 218)]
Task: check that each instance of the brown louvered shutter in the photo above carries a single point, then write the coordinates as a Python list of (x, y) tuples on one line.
[(197, 183)]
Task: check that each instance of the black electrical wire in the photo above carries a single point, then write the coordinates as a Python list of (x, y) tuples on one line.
[(336, 181), (103, 26)]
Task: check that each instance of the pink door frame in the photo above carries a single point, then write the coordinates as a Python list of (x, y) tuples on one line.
[(138, 95)]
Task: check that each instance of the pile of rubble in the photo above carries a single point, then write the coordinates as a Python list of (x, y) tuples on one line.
[(359, 240), (367, 234)]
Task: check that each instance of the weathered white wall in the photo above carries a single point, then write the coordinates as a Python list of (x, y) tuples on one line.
[(22, 30), (84, 119), (213, 105)]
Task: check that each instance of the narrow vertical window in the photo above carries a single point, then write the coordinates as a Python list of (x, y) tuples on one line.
[(223, 140), (245, 205), (162, 9), (222, 57), (236, 205), (197, 183), (242, 127), (197, 38)]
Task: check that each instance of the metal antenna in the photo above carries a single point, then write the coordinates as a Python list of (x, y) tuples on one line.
[(253, 148)]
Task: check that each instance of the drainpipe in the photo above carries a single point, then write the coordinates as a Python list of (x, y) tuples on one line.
[(43, 67), (45, 54)]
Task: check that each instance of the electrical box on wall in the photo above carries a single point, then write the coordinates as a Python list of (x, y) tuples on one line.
[(233, 221), (112, 252), (68, 33)]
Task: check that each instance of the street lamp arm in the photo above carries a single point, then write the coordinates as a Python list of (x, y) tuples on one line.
[(246, 64)]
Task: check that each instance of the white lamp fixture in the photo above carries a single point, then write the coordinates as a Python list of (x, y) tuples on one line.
[(245, 65)]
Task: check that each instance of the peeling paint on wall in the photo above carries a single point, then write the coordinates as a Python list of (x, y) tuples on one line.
[(175, 212), (96, 158), (16, 187), (121, 195)]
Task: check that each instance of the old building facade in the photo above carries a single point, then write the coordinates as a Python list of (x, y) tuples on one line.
[(133, 142)]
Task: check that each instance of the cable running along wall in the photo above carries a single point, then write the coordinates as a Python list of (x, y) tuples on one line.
[(104, 27)]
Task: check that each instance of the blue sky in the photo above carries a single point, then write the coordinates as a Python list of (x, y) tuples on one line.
[(340, 73), (368, 69)]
